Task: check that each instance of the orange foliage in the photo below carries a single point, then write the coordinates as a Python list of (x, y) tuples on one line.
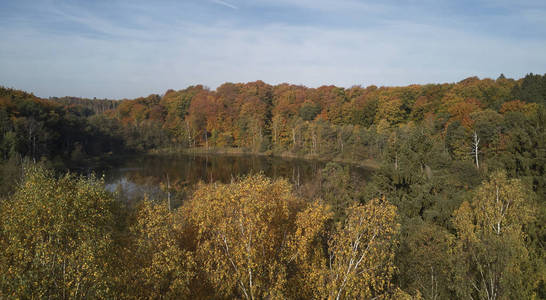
[(461, 111)]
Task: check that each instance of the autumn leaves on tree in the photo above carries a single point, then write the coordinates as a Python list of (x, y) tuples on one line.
[(255, 238), (250, 239)]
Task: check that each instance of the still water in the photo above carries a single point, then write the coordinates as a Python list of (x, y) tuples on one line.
[(144, 175)]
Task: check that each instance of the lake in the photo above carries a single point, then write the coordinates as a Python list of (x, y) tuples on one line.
[(143, 175)]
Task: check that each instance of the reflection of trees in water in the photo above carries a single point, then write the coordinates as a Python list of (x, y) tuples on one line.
[(130, 191), (145, 175), (143, 179)]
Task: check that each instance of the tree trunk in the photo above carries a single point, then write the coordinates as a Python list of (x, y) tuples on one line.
[(476, 149)]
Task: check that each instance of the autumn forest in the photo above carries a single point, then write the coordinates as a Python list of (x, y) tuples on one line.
[(455, 207)]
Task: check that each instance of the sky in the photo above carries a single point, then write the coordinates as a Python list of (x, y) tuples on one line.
[(132, 48)]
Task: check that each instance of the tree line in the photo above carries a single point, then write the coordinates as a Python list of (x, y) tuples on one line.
[(328, 122)]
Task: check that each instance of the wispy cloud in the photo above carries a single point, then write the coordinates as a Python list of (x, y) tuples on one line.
[(226, 4), (134, 54), (330, 6)]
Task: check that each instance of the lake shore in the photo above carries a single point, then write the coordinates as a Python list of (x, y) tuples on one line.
[(366, 163)]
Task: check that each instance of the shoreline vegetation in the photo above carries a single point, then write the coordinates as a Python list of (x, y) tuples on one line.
[(367, 163)]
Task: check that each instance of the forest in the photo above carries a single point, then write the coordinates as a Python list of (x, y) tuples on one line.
[(455, 209)]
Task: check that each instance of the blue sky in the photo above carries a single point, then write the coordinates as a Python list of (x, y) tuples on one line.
[(126, 49)]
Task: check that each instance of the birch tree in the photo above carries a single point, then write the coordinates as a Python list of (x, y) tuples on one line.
[(360, 262), (426, 258), (156, 264), (59, 236), (491, 240), (244, 233), (476, 148)]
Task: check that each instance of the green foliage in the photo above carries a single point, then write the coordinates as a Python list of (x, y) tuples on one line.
[(524, 147), (337, 189), (309, 111), (10, 173), (36, 128), (532, 88), (425, 259)]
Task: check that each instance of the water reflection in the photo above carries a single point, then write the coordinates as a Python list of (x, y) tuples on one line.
[(145, 174)]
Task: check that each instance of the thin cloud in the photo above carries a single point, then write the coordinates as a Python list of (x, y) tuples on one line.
[(329, 5), (391, 55), (128, 55), (226, 4)]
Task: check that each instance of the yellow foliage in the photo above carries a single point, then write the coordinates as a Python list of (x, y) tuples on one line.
[(158, 264), (249, 231), (59, 236), (361, 253), (490, 229)]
